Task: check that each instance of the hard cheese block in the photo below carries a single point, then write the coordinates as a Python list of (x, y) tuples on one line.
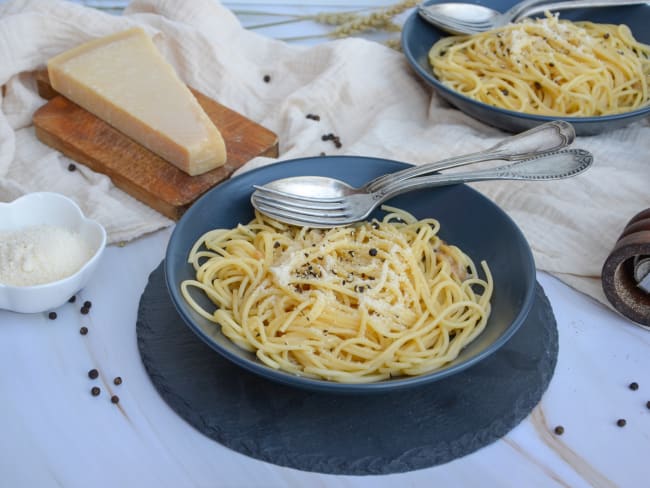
[(125, 81), (82, 136)]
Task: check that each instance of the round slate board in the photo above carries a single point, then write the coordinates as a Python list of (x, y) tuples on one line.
[(344, 434)]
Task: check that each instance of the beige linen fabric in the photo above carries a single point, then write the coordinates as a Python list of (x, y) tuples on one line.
[(364, 92)]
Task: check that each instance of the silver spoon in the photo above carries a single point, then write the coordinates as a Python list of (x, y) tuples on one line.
[(541, 139), (341, 205), (471, 18)]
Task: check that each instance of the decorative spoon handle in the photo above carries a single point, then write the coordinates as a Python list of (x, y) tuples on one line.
[(550, 166), (551, 136)]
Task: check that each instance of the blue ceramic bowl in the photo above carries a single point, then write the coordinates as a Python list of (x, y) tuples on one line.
[(418, 36), (467, 219)]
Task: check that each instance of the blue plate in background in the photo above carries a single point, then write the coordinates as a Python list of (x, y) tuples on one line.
[(418, 36), (468, 220)]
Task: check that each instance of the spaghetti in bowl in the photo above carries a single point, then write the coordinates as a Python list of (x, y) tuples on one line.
[(466, 220), (589, 67)]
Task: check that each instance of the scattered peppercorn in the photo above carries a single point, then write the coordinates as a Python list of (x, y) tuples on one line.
[(52, 315), (634, 386), (313, 117), (373, 252), (117, 380), (115, 399), (83, 330), (95, 391), (84, 310), (72, 299), (621, 422), (93, 373), (647, 404), (71, 167), (276, 244), (267, 78), (331, 137), (559, 430), (88, 304)]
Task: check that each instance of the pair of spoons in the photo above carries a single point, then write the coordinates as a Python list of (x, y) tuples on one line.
[(472, 18), (318, 201)]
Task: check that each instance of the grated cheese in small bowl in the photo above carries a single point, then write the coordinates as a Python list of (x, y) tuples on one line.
[(48, 251)]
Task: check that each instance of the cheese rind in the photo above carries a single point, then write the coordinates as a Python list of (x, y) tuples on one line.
[(124, 80)]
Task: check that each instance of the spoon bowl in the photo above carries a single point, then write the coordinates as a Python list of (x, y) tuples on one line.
[(308, 186)]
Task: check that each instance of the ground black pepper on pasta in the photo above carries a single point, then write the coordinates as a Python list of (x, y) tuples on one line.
[(601, 69), (322, 277)]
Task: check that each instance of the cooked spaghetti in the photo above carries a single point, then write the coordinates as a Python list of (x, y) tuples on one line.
[(548, 66), (351, 304)]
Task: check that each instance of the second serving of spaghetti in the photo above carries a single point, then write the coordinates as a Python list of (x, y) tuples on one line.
[(549, 67), (353, 304)]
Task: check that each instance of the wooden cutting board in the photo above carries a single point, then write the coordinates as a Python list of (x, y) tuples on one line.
[(142, 174)]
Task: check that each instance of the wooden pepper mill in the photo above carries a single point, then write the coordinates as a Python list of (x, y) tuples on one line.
[(626, 272)]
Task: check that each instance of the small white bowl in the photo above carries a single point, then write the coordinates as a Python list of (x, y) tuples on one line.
[(56, 210)]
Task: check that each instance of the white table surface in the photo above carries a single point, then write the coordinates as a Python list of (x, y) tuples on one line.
[(54, 433)]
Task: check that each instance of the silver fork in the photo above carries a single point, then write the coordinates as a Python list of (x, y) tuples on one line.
[(357, 204)]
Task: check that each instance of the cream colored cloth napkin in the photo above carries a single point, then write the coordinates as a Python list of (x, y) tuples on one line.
[(363, 92)]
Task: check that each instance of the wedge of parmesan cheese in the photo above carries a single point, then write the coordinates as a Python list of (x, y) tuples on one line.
[(125, 81)]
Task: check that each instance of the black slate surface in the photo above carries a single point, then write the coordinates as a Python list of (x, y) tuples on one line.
[(344, 434)]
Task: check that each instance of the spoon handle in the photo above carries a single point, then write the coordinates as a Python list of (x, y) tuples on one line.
[(550, 136), (550, 166)]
